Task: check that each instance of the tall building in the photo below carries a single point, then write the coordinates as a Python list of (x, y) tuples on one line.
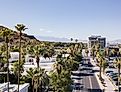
[(93, 40)]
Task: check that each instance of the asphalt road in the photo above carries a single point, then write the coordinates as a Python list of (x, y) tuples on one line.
[(87, 81)]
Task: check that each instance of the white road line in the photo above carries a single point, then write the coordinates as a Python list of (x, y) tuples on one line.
[(90, 82)]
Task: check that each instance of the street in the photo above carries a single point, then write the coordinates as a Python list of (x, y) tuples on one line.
[(84, 79)]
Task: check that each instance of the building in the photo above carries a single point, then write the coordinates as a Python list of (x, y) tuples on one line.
[(46, 64), (14, 87), (14, 56), (93, 40), (114, 49)]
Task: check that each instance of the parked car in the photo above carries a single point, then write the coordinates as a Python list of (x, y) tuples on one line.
[(109, 71), (115, 78), (110, 74)]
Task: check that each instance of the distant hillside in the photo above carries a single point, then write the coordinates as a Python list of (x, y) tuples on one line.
[(57, 39), (115, 41), (52, 39), (14, 38)]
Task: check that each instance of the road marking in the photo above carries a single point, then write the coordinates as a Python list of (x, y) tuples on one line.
[(90, 82)]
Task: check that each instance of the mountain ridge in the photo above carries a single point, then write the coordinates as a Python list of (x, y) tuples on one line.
[(57, 39), (14, 38)]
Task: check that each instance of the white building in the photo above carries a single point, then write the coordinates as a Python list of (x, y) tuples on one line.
[(14, 87), (14, 56), (46, 64), (30, 62)]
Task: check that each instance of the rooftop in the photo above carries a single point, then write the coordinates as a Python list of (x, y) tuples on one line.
[(13, 87)]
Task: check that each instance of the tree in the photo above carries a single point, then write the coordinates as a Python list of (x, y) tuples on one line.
[(16, 66), (37, 54), (40, 80), (86, 51), (60, 77), (107, 53), (76, 40), (118, 65), (104, 65), (61, 82), (101, 59), (20, 28), (28, 78), (6, 35), (113, 52), (71, 39), (93, 51)]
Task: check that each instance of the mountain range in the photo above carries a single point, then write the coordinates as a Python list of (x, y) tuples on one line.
[(57, 39), (26, 37), (115, 41)]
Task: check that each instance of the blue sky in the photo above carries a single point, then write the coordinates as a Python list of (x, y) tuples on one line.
[(64, 18)]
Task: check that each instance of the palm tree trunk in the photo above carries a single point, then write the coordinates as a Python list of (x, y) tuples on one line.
[(93, 55), (33, 90), (7, 62), (19, 60), (37, 61), (32, 85), (100, 76), (118, 77), (36, 89)]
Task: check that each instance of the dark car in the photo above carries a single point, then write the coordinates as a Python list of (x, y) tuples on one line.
[(110, 71)]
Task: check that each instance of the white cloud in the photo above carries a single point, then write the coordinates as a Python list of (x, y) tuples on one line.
[(45, 30), (49, 31), (42, 29)]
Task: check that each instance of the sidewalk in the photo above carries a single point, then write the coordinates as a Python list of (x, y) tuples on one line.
[(109, 87)]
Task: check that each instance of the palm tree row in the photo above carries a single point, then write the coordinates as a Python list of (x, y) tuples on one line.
[(60, 77), (37, 77), (101, 55), (117, 63), (6, 32)]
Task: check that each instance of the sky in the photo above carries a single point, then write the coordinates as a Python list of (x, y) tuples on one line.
[(64, 18)]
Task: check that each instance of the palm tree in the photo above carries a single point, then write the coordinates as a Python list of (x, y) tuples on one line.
[(104, 65), (6, 34), (86, 51), (101, 59), (28, 77), (20, 28), (61, 82), (118, 65), (58, 66), (60, 76), (93, 51), (71, 39), (39, 80), (113, 52), (44, 51), (76, 40), (107, 53), (17, 66), (37, 54)]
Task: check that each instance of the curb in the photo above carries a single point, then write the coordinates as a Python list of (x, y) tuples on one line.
[(100, 84), (111, 82)]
